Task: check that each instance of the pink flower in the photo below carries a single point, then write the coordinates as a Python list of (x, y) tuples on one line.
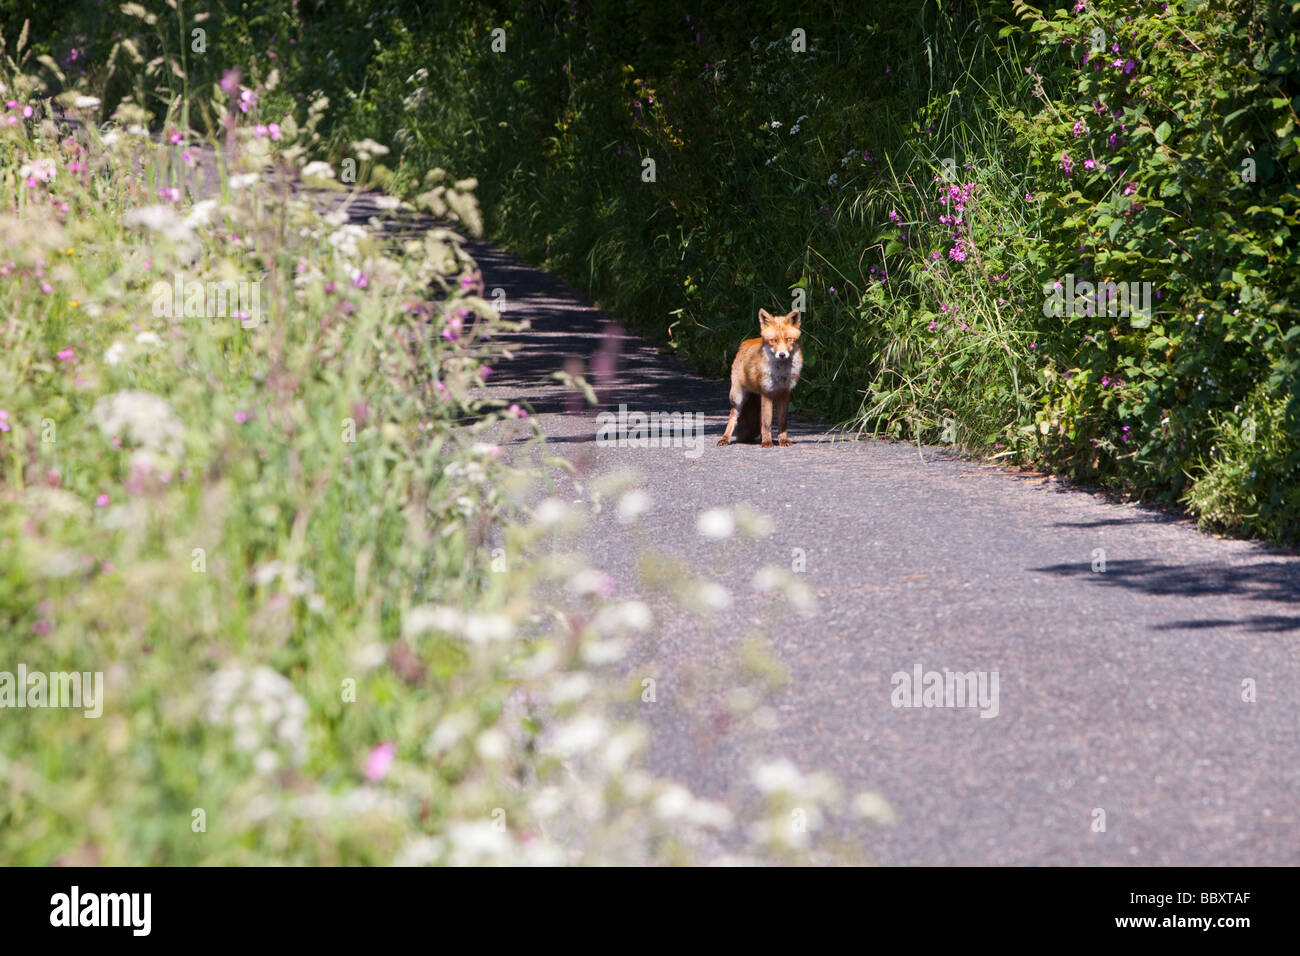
[(175, 137), (4, 420), (230, 80), (380, 761), (274, 130), (67, 355), (1128, 189), (361, 280), (1089, 164), (1029, 197), (259, 130), (241, 417), (101, 501), (514, 410)]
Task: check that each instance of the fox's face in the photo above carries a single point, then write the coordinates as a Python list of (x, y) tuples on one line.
[(780, 333)]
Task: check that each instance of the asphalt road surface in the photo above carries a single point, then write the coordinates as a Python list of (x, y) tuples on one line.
[(1119, 690)]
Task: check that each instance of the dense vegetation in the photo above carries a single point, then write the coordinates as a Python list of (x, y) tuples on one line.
[(287, 537), (270, 592), (925, 176)]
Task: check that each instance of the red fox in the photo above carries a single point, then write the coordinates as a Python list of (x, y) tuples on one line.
[(763, 374)]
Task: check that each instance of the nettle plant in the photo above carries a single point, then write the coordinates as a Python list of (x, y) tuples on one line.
[(1166, 148), (287, 534)]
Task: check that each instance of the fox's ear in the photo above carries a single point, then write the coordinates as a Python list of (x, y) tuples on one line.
[(795, 317), (764, 317)]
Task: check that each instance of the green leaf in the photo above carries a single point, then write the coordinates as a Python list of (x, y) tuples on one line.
[(1162, 132)]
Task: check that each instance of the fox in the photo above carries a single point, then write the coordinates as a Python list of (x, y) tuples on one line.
[(763, 374)]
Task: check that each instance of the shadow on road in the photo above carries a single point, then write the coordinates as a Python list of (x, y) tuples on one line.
[(564, 334), (1265, 580)]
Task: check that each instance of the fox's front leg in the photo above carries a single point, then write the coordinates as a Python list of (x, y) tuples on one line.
[(783, 419), (737, 399), (767, 422)]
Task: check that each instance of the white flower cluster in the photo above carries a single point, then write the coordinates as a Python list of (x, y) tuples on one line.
[(267, 715), (144, 419)]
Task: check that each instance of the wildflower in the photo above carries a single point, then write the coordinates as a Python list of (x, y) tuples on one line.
[(1128, 188), (67, 355), (1089, 164), (38, 170), (4, 420), (230, 80), (379, 761), (102, 501), (716, 523), (1066, 164)]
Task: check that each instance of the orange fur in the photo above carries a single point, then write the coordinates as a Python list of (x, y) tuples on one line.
[(763, 374)]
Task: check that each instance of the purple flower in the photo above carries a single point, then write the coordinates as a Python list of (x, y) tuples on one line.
[(379, 761)]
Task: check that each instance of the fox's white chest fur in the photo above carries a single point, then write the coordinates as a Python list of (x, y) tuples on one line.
[(778, 375)]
